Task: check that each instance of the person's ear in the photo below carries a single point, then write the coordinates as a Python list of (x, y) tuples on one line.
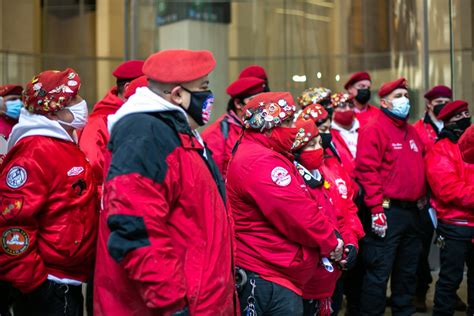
[(238, 104), (52, 116), (176, 95), (384, 103)]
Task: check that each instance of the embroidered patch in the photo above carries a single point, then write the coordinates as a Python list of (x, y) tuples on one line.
[(15, 241), (342, 188), (10, 207), (413, 146), (72, 83), (75, 171), (16, 177), (397, 145), (281, 177)]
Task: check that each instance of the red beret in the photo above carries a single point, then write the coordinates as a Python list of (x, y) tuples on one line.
[(358, 76), (307, 130), (439, 92), (314, 112), (389, 87), (10, 89), (129, 69), (466, 145), (253, 71), (51, 90), (451, 109), (269, 109), (134, 84), (245, 87), (178, 65)]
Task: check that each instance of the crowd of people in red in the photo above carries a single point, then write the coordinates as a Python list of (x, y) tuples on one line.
[(279, 207)]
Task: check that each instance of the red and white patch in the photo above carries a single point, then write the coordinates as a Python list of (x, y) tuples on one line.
[(341, 187), (281, 176), (75, 171), (413, 146), (15, 241), (10, 207)]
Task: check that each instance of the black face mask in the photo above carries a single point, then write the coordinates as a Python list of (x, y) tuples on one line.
[(363, 96), (458, 127), (200, 105), (326, 139), (437, 108)]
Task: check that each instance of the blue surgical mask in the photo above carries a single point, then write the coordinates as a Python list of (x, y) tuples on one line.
[(401, 107), (13, 108)]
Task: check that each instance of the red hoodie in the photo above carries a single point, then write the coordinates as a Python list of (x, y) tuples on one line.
[(95, 136)]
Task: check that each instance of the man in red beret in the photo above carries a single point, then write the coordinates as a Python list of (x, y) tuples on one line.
[(358, 86), (466, 145), (277, 248), (221, 136), (257, 72), (10, 106), (94, 137), (49, 205), (165, 244), (389, 166), (452, 185)]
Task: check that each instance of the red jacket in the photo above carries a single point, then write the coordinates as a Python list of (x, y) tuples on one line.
[(94, 137), (366, 116), (389, 162), (347, 160), (426, 132), (452, 183), (6, 125), (279, 228), (48, 215), (165, 239), (221, 145)]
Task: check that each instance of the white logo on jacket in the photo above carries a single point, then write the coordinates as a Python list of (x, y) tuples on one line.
[(16, 177), (280, 176), (413, 146), (341, 186), (75, 171), (397, 145)]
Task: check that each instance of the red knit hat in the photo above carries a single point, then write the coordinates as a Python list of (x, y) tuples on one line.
[(358, 76), (439, 92), (51, 90), (134, 84), (389, 87), (129, 69), (307, 130), (178, 65), (267, 110), (10, 89), (313, 112), (466, 145), (245, 87), (254, 71), (451, 109)]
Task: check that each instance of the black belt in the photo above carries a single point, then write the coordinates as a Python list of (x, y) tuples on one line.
[(404, 204)]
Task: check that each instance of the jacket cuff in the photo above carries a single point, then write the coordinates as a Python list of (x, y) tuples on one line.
[(376, 209)]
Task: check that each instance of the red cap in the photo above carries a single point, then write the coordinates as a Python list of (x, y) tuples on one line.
[(439, 92), (51, 90), (253, 71), (451, 109), (10, 89), (314, 112), (129, 69), (269, 109), (358, 76), (389, 87), (466, 145), (179, 65), (245, 87), (307, 130), (134, 84)]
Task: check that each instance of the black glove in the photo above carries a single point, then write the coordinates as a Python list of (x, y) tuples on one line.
[(183, 312), (350, 257)]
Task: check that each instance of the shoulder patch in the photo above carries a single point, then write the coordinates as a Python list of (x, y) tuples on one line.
[(281, 176), (15, 241), (16, 177), (10, 207), (74, 171)]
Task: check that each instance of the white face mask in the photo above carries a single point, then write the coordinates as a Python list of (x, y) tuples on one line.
[(401, 107), (79, 112)]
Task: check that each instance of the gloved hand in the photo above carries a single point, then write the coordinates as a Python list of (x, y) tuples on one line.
[(350, 257), (379, 224)]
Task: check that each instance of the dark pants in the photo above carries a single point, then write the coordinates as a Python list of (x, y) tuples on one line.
[(270, 298), (50, 299), (396, 254), (423, 273), (6, 298), (452, 258)]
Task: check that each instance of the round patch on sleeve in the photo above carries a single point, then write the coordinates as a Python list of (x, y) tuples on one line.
[(15, 241), (16, 177), (281, 176)]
